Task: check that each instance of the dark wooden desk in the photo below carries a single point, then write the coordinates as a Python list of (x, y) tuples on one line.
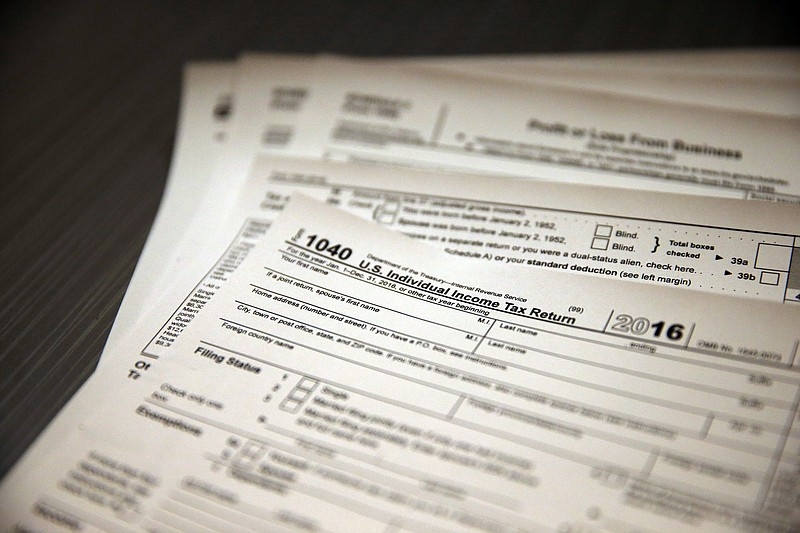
[(89, 94)]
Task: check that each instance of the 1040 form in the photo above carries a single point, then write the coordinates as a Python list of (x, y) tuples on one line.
[(346, 378)]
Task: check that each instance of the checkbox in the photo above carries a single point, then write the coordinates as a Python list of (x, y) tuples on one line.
[(290, 405), (298, 395), (603, 230), (770, 278), (773, 257), (307, 384), (599, 244), (385, 218)]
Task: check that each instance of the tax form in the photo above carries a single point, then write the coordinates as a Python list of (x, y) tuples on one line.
[(205, 116), (207, 109), (350, 379), (222, 106), (648, 238), (722, 246), (402, 115)]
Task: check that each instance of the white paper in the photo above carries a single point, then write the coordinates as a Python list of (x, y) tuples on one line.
[(778, 96), (721, 246), (187, 251), (407, 116), (201, 153), (347, 378), (202, 127), (207, 109)]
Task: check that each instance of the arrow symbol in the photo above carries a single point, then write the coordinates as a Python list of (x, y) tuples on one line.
[(718, 258), (728, 273)]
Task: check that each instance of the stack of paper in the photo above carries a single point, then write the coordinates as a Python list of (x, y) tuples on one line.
[(474, 294)]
